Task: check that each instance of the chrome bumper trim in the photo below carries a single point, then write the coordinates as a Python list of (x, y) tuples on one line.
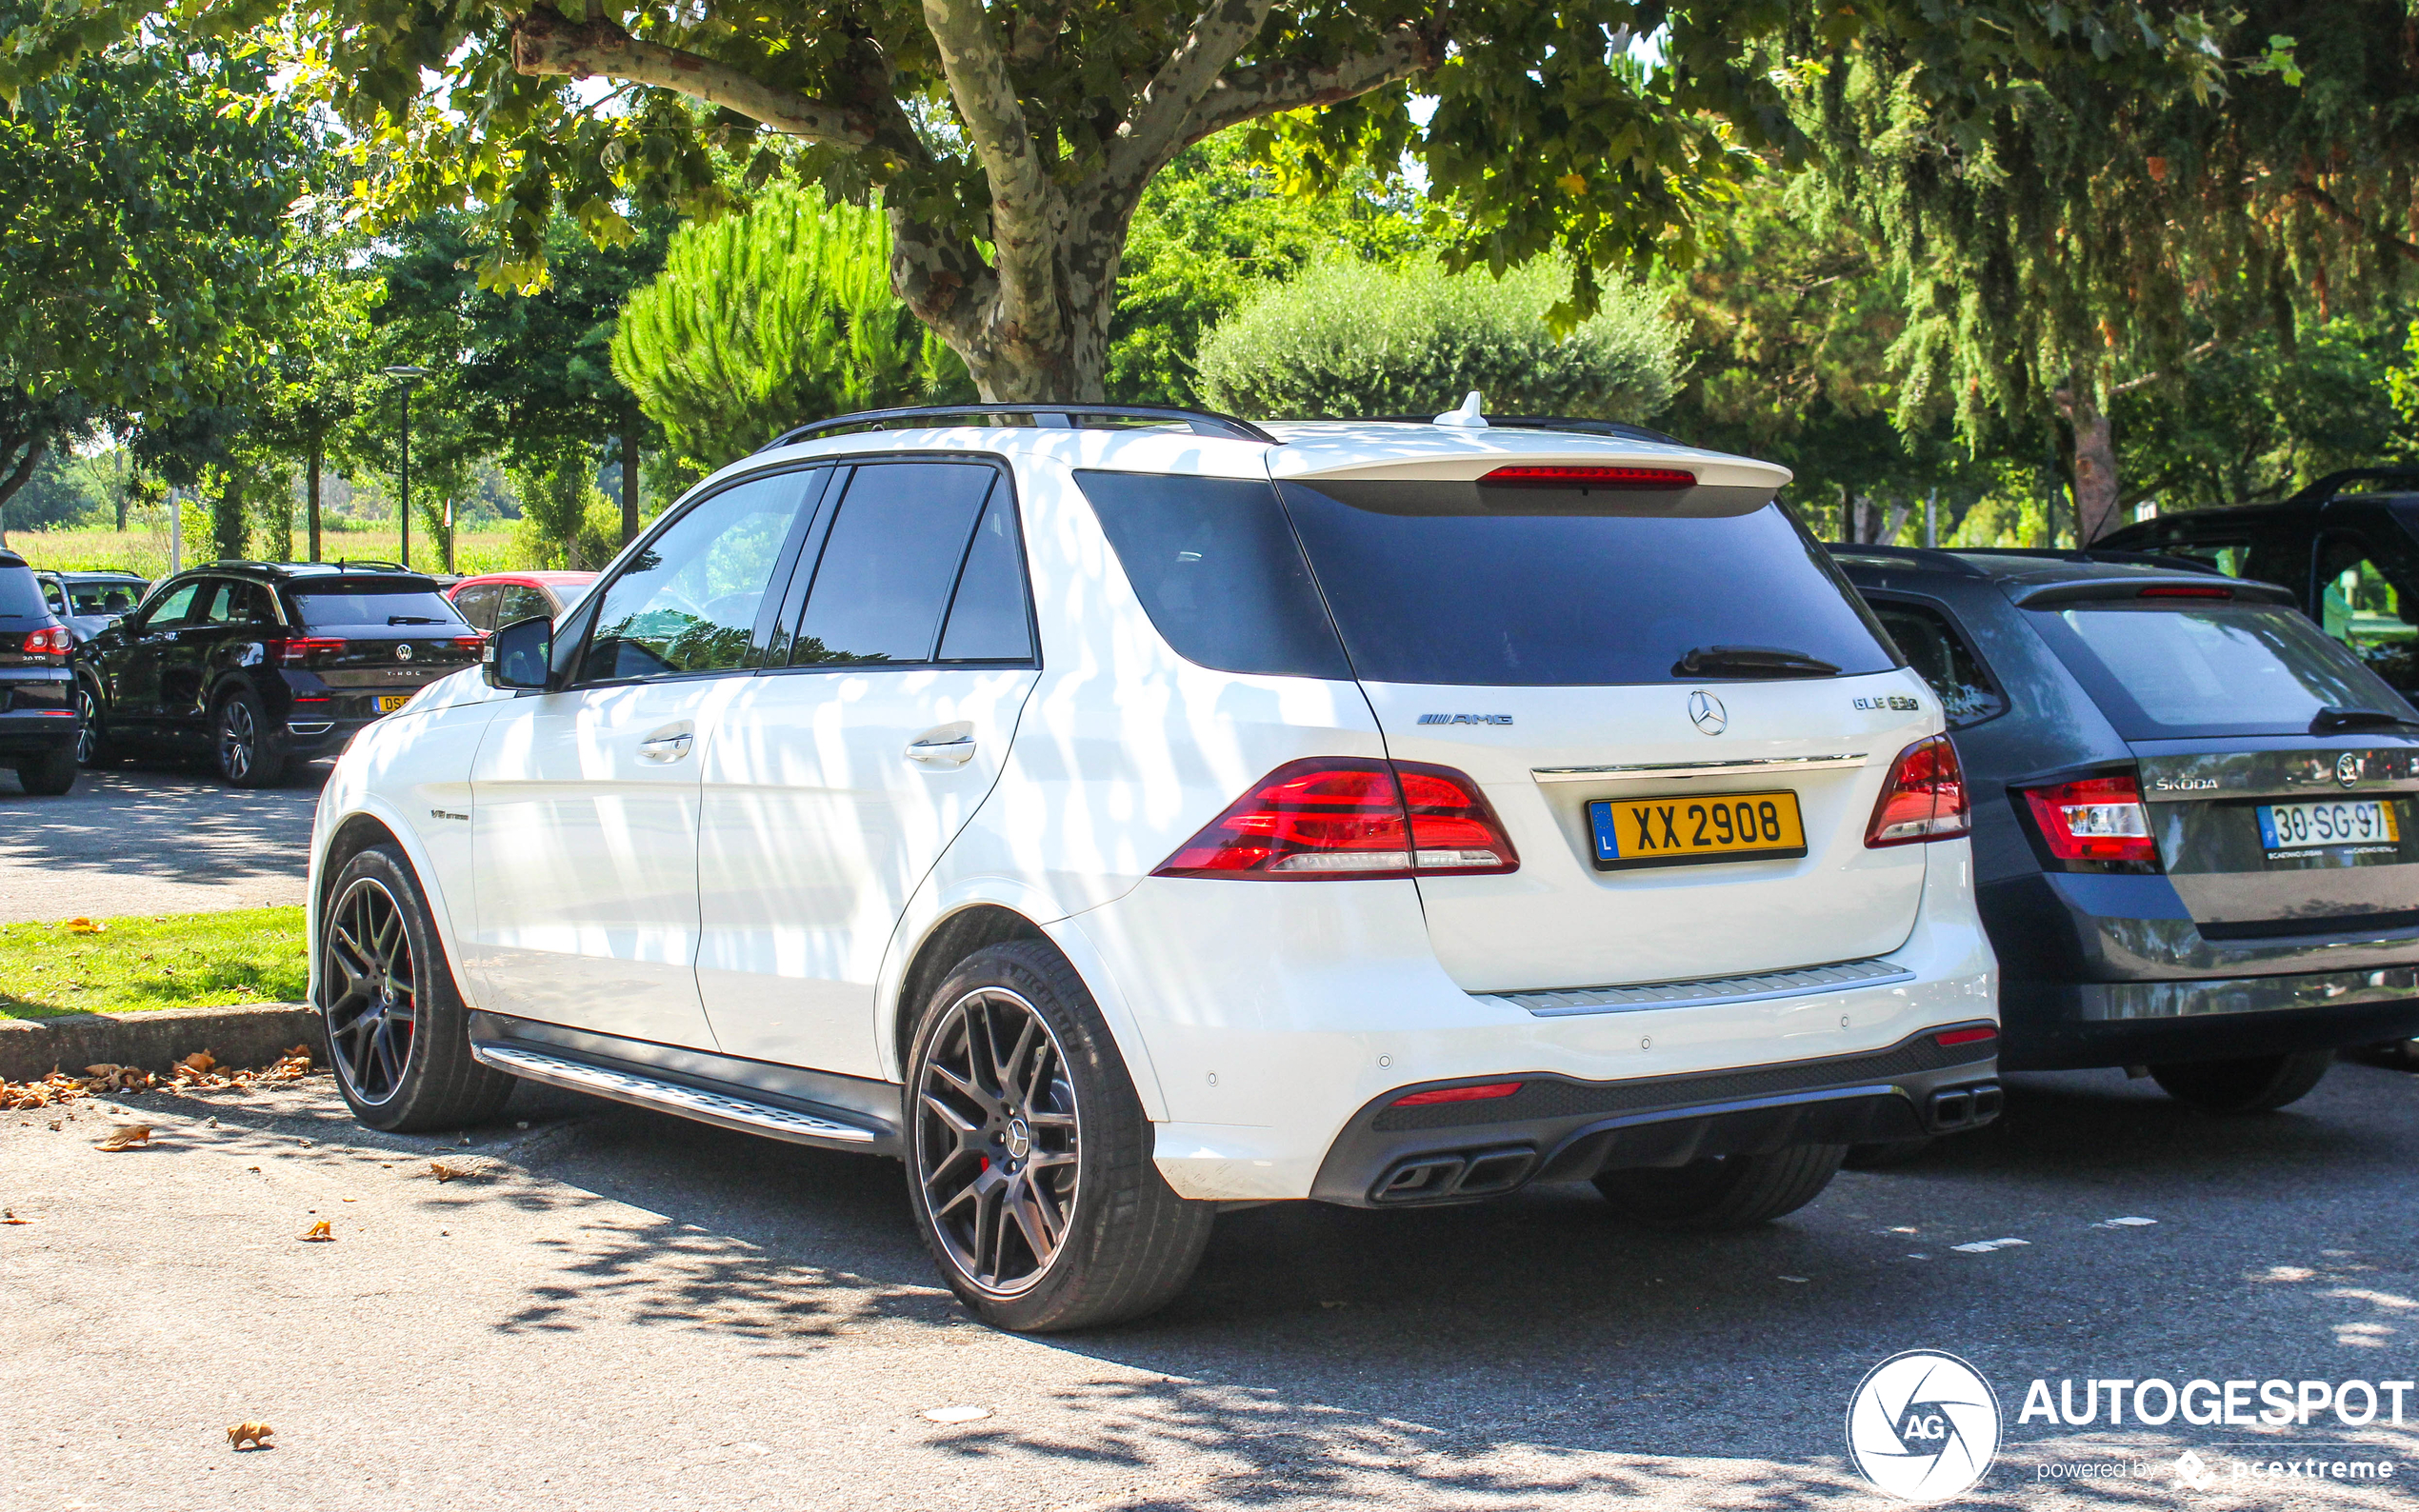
[(2134, 1001), (1705, 992), (1673, 771)]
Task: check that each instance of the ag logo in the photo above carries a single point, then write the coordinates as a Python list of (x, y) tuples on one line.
[(1923, 1426)]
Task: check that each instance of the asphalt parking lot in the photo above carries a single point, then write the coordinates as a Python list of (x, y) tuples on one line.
[(154, 838), (631, 1311)]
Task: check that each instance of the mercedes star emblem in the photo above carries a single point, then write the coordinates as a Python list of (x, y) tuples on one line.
[(1707, 713)]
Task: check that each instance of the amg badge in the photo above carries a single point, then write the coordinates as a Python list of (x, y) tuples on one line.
[(1464, 719)]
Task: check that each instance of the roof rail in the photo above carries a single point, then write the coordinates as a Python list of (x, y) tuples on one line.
[(357, 562), (2328, 486), (1917, 555), (1047, 417), (1594, 428)]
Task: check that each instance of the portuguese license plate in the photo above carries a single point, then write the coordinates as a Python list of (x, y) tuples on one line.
[(389, 703), (1691, 830), (2345, 822)]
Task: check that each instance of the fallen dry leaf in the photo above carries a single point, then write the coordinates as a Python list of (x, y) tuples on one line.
[(255, 1434), (319, 1233), (126, 1136), (201, 1062), (8, 1215), (86, 926)]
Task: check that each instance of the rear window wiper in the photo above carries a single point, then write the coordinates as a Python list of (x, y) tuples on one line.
[(2339, 721), (1750, 661)]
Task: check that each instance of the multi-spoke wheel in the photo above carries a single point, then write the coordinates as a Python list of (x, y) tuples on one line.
[(372, 999), (995, 1140), (88, 727), (1029, 1157), (397, 1030), (250, 755)]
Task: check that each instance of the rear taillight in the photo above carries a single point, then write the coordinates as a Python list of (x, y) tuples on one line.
[(1345, 817), (302, 649), (50, 642), (1950, 1039), (2195, 593), (1924, 798), (470, 642), (1569, 477), (2098, 819)]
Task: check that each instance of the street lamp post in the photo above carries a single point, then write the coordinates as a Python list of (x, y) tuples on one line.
[(406, 376)]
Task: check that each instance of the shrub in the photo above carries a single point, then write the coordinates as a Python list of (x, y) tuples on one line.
[(1348, 339)]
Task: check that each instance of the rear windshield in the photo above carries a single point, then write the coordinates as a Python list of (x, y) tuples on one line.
[(1446, 582), (2215, 669), (20, 595), (104, 598), (373, 603)]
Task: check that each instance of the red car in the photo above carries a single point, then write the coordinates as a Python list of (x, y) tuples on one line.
[(502, 598)]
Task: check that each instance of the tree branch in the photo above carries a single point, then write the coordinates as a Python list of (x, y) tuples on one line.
[(2148, 378), (544, 42), (24, 470), (1152, 129), (2307, 190), (974, 58), (1247, 94)]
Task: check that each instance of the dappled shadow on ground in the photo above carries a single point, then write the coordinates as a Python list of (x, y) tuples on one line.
[(1545, 1319), (162, 821)]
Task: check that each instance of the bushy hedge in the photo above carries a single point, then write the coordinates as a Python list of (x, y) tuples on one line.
[(1350, 339)]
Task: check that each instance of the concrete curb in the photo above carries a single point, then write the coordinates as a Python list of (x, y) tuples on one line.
[(243, 1034)]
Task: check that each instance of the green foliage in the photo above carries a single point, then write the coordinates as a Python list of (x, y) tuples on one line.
[(566, 523), (1347, 339), (1214, 229), (764, 321)]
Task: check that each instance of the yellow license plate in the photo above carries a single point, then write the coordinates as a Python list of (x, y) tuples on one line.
[(1691, 828), (389, 703)]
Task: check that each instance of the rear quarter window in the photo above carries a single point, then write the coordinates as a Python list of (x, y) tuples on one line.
[(1936, 648)]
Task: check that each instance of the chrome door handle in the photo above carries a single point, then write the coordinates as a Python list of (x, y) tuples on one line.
[(955, 752), (665, 747)]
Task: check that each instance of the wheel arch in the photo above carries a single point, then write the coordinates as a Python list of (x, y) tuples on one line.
[(948, 941), (348, 837)]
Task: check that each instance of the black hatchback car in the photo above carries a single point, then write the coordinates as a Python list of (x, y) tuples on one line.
[(2195, 816), (37, 703), (262, 665)]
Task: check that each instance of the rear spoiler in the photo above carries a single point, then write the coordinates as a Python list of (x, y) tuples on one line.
[(2171, 592)]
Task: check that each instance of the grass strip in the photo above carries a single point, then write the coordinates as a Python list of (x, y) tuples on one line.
[(174, 961)]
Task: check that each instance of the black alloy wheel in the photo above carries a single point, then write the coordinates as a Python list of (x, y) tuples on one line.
[(249, 754), (373, 991), (996, 1141), (88, 729)]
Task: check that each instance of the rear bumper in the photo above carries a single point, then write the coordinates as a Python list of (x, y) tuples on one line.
[(1561, 1129), (37, 732), (2072, 1026)]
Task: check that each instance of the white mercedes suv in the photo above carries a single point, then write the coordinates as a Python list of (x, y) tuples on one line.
[(1117, 814)]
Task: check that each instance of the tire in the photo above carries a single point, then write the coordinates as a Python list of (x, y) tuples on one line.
[(1884, 1155), (2261, 1084), (247, 751), (1124, 1244), (1731, 1191), (49, 776), (398, 1032), (92, 738)]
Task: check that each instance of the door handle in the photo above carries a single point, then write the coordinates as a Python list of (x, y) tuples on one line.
[(948, 750), (665, 747)]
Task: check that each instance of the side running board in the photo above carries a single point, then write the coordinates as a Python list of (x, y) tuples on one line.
[(744, 1114)]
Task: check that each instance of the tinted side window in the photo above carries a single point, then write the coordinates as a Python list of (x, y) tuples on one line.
[(1218, 570), (687, 603), (2369, 605), (889, 563), (1933, 647), (522, 601), (241, 602), (477, 605), (989, 621), (173, 610)]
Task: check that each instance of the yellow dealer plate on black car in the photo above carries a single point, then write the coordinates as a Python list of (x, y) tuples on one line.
[(389, 703), (1692, 829)]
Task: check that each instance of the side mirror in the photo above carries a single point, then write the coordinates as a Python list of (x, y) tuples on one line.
[(521, 655)]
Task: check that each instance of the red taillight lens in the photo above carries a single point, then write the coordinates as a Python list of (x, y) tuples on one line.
[(1951, 1038), (1459, 1094), (2211, 593), (1337, 817), (53, 641), (468, 643), (2098, 819), (305, 648), (1588, 478), (1924, 798)]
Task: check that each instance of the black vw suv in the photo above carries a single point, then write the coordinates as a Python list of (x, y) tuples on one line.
[(263, 664)]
